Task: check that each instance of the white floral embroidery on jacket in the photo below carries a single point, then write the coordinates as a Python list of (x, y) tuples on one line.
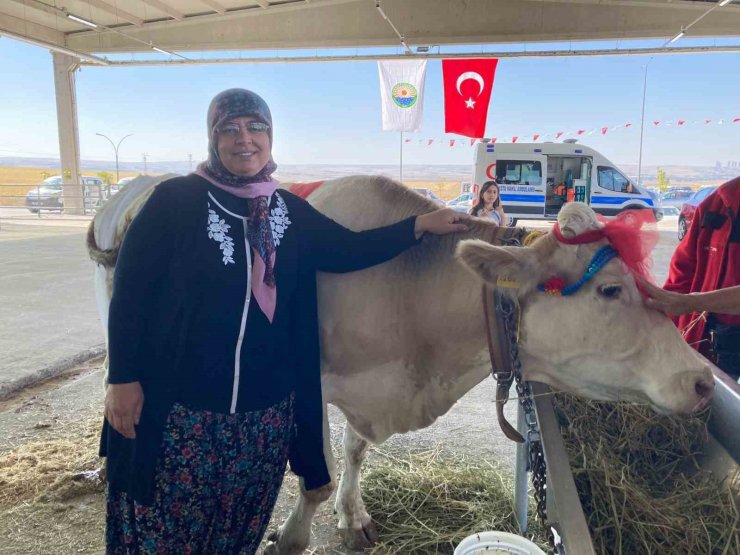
[(217, 230), (279, 220)]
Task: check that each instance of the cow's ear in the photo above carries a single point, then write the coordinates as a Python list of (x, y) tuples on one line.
[(510, 269)]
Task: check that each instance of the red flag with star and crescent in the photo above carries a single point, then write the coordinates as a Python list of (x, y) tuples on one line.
[(468, 84)]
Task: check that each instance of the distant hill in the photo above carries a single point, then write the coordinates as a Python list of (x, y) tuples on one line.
[(684, 174), (96, 165), (286, 172), (419, 172)]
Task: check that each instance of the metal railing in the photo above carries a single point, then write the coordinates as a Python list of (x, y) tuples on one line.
[(19, 201)]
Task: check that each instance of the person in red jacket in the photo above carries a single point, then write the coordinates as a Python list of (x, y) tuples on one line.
[(708, 258)]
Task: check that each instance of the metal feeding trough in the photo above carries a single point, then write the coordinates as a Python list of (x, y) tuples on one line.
[(565, 517)]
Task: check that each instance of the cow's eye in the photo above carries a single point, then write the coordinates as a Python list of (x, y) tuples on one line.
[(610, 291)]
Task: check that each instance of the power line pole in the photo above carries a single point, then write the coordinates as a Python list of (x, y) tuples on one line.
[(642, 123), (190, 162), (143, 157)]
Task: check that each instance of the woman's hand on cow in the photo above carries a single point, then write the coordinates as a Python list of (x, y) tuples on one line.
[(123, 404), (441, 222)]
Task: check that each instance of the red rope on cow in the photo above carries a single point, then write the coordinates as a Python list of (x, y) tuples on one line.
[(633, 234)]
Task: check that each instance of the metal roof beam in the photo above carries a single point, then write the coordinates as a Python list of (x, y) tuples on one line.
[(53, 46), (355, 23), (215, 6), (374, 57), (665, 4), (40, 6), (169, 10), (116, 11), (18, 28), (230, 15)]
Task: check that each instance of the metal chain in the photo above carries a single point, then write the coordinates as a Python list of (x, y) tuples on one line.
[(537, 464), (508, 312)]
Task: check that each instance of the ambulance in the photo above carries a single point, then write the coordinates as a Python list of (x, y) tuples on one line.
[(537, 179)]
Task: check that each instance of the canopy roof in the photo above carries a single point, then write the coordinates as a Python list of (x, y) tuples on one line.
[(202, 25)]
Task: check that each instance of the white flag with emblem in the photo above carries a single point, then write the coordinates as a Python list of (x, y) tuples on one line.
[(402, 93)]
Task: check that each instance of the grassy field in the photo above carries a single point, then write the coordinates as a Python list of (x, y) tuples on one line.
[(15, 182), (446, 190)]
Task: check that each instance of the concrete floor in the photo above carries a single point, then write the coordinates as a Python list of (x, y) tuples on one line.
[(47, 304)]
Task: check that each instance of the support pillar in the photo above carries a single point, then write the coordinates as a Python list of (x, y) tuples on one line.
[(69, 138)]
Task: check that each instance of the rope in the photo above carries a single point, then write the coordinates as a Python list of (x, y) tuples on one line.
[(531, 237)]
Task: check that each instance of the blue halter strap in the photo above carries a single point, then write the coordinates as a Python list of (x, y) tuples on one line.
[(556, 286)]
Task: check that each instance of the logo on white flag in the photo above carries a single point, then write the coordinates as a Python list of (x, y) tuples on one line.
[(401, 93), (404, 95)]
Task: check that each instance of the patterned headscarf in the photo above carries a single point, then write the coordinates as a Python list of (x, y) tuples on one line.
[(257, 189), (235, 103)]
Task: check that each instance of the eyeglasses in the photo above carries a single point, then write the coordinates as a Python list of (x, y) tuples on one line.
[(232, 130)]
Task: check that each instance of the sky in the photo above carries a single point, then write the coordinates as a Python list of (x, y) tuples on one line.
[(329, 112)]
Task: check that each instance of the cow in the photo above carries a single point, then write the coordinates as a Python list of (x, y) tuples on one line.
[(403, 341)]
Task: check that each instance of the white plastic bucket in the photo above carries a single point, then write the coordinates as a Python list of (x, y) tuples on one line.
[(494, 543)]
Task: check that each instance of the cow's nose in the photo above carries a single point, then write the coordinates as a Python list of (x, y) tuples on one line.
[(704, 388)]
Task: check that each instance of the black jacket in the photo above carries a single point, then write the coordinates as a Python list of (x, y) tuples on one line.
[(177, 317)]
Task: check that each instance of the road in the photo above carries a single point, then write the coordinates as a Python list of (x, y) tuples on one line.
[(47, 305)]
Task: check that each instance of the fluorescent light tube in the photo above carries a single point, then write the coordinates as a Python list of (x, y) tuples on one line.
[(678, 36), (80, 20)]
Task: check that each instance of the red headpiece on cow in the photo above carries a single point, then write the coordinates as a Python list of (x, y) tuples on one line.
[(633, 234)]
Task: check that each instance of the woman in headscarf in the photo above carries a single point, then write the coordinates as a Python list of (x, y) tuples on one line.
[(213, 343)]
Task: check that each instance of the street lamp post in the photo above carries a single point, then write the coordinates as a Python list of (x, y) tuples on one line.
[(642, 123), (115, 149)]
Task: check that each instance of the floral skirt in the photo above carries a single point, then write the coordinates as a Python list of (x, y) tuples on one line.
[(217, 481)]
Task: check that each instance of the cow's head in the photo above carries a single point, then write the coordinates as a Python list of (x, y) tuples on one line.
[(601, 342)]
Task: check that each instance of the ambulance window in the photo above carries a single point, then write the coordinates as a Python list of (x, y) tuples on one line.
[(611, 179), (515, 172)]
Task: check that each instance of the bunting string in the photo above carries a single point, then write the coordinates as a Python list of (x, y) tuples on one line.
[(574, 133)]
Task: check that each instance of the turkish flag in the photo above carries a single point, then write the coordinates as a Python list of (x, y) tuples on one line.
[(468, 84)]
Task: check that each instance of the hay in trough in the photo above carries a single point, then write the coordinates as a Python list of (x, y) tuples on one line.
[(52, 470), (640, 484), (427, 503)]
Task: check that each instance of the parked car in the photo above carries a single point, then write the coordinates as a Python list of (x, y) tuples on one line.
[(121, 182), (651, 190), (676, 197), (689, 207), (48, 194), (670, 211), (428, 194), (462, 203), (658, 209)]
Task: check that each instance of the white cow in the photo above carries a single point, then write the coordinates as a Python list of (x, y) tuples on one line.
[(403, 341)]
